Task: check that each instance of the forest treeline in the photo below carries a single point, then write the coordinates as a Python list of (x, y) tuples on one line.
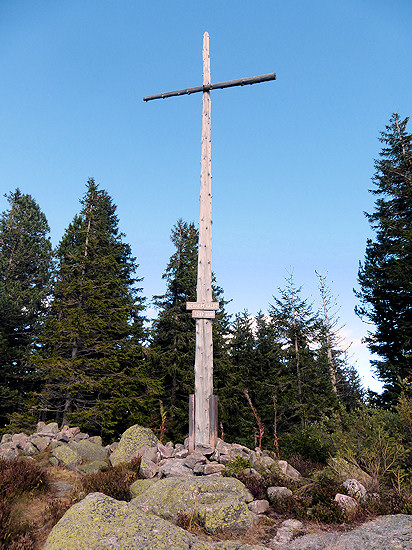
[(76, 347)]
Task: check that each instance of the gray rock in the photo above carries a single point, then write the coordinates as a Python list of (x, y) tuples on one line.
[(148, 469), (183, 453), (20, 440), (219, 503), (88, 450), (175, 467), (80, 436), (49, 429), (213, 468), (6, 438), (293, 524), (63, 436), (258, 506), (8, 454), (101, 523), (356, 489), (288, 471), (165, 452), (346, 503), (199, 469), (29, 449), (203, 449), (222, 447), (241, 451), (278, 493), (133, 439), (66, 456), (194, 458), (383, 533), (224, 459), (41, 443), (149, 453)]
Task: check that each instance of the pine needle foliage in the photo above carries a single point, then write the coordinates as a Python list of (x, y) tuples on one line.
[(93, 339), (25, 262), (385, 276)]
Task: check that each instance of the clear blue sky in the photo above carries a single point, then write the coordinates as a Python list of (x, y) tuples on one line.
[(291, 159)]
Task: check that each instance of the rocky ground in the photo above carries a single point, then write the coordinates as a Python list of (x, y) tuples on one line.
[(183, 489)]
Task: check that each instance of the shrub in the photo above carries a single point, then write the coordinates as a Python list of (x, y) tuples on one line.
[(20, 476), (17, 477), (312, 442), (114, 482), (235, 466), (370, 440)]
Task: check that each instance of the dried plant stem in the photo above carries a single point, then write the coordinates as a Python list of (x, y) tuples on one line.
[(259, 431), (275, 434)]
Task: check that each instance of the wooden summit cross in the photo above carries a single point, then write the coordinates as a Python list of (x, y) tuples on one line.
[(203, 405)]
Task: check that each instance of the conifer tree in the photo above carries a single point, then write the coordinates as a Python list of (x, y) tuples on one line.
[(307, 391), (172, 348), (343, 375), (25, 261), (93, 361), (385, 277)]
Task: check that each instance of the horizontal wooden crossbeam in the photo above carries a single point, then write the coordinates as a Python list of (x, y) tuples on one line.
[(218, 85)]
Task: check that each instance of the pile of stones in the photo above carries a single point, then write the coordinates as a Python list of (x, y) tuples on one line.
[(73, 449)]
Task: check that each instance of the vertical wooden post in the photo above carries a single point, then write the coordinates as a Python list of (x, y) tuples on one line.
[(203, 405), (191, 423), (204, 343)]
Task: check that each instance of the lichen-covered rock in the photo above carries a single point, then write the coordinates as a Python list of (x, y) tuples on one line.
[(101, 523), (41, 443), (133, 439), (148, 469), (88, 450), (65, 456), (29, 449), (140, 486), (218, 503), (50, 429)]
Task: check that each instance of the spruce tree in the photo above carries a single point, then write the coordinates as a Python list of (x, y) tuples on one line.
[(93, 362), (25, 261), (344, 378), (305, 387), (172, 347), (385, 276)]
